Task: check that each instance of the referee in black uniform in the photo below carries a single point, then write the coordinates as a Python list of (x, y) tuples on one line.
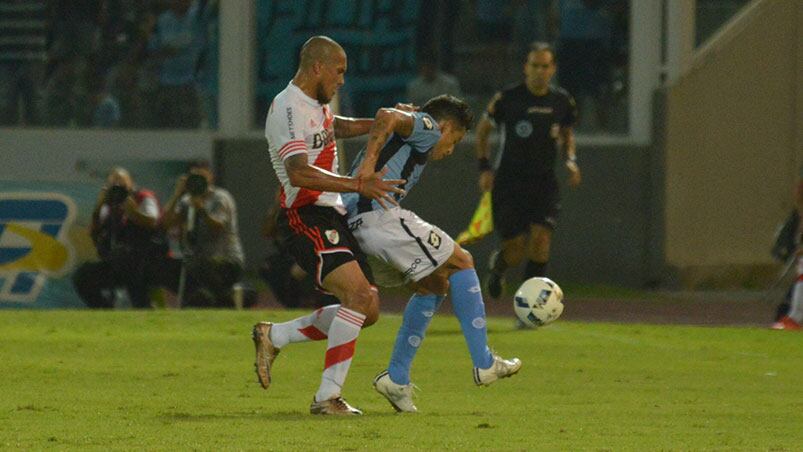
[(536, 122)]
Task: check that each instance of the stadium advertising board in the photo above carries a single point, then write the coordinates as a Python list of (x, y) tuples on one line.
[(44, 230)]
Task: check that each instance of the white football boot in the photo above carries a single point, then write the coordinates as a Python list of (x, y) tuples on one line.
[(399, 396), (501, 368)]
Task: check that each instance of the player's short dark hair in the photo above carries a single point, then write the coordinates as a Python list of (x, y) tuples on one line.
[(447, 106), (541, 46)]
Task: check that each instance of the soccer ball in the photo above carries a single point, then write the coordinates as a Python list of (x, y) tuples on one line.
[(538, 302)]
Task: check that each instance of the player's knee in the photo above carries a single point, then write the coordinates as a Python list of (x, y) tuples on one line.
[(365, 300), (459, 260)]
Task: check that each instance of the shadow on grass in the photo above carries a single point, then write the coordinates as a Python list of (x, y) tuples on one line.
[(286, 416)]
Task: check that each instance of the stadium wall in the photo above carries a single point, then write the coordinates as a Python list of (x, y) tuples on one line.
[(733, 147), (603, 233)]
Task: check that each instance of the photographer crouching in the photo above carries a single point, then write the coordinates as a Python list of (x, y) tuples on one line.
[(213, 259), (125, 231)]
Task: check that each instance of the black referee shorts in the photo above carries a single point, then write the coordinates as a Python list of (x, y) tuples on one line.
[(517, 206), (319, 240)]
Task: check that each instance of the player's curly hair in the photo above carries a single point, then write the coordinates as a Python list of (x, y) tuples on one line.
[(447, 106)]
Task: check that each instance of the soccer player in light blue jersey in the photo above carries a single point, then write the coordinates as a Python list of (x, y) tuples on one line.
[(405, 249)]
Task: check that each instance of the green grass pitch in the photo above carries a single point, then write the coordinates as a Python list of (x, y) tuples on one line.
[(167, 380)]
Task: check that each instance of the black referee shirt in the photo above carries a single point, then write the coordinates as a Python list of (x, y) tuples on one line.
[(530, 127)]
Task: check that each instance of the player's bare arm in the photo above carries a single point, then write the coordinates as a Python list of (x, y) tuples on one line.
[(302, 174), (351, 127), (482, 134), (570, 153), (386, 122)]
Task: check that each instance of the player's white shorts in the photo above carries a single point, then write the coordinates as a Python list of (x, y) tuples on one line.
[(400, 239)]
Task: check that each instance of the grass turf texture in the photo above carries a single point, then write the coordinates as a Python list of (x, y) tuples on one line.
[(185, 380)]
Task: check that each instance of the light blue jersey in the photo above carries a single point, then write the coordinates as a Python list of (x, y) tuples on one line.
[(404, 157)]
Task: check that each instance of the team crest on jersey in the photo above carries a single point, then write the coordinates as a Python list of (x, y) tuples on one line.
[(427, 123), (434, 240), (332, 236), (524, 128)]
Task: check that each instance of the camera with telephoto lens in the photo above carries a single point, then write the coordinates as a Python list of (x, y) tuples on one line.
[(196, 184), (116, 194)]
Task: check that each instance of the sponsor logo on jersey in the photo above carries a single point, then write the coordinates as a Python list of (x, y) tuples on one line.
[(290, 126), (541, 110), (427, 123), (33, 242), (524, 128), (332, 236), (323, 138), (434, 239), (413, 267)]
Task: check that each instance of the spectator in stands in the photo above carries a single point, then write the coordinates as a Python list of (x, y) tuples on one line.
[(494, 23), (175, 45), (23, 52), (105, 107), (430, 82), (125, 230), (206, 216), (584, 43)]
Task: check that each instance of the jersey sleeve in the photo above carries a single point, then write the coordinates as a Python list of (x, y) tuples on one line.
[(425, 132), (283, 132), (569, 119)]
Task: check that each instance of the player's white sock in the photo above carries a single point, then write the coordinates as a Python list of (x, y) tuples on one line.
[(343, 334), (312, 327), (796, 306)]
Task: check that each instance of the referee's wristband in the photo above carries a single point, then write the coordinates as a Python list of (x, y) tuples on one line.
[(484, 164)]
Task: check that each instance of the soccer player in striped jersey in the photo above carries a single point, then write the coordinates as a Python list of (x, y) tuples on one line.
[(416, 253), (301, 131)]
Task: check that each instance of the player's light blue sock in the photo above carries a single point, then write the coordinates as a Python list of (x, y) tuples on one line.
[(417, 315), (470, 310)]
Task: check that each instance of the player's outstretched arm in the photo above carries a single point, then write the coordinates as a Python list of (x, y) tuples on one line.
[(302, 174), (351, 127), (386, 122)]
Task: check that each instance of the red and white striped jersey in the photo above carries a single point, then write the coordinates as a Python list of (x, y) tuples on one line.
[(298, 124)]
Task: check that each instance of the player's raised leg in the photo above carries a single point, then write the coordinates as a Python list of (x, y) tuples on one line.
[(464, 288), (269, 338)]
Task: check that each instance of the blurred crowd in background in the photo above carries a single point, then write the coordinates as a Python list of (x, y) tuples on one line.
[(154, 63)]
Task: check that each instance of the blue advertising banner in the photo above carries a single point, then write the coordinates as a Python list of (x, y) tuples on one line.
[(37, 247), (44, 230), (378, 36)]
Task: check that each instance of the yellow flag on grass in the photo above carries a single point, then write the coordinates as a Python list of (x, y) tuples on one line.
[(481, 223)]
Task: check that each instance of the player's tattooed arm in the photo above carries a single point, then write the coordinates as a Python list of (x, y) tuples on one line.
[(386, 122), (351, 127), (302, 174)]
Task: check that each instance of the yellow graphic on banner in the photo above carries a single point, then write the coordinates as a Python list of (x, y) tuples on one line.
[(481, 223), (47, 254)]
